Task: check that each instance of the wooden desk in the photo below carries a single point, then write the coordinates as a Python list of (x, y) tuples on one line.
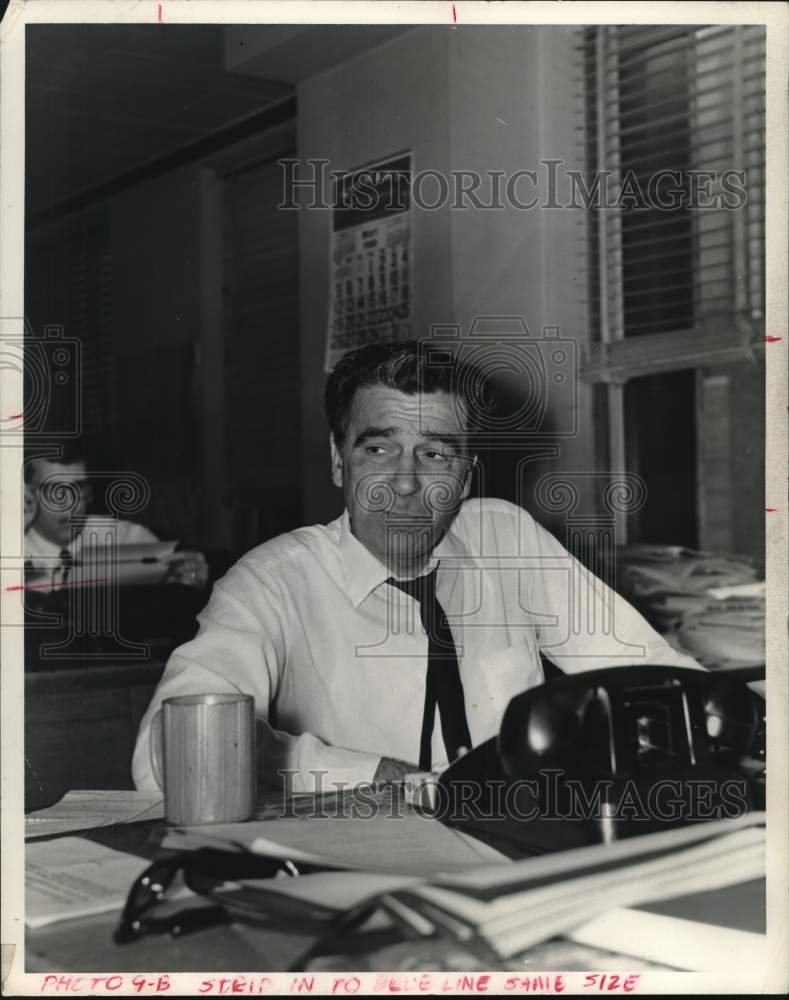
[(81, 724), (86, 945)]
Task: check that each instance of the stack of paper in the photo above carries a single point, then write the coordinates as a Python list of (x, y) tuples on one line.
[(540, 898), (87, 809), (404, 843), (419, 875), (726, 633), (673, 941), (511, 906), (70, 877), (709, 605), (669, 580)]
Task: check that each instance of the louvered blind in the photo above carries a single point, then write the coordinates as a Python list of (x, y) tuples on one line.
[(675, 129)]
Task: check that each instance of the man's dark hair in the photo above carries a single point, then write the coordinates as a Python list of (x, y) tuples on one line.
[(72, 450), (406, 366)]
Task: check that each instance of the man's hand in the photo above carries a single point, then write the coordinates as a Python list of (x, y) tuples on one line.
[(390, 769), (188, 568)]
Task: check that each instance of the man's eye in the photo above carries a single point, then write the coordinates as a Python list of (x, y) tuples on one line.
[(438, 457), (375, 449)]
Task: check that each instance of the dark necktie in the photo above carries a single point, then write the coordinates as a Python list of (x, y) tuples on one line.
[(443, 686), (66, 562)]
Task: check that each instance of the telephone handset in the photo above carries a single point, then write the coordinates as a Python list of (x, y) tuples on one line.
[(607, 754)]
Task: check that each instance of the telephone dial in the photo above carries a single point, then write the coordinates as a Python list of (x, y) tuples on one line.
[(598, 756)]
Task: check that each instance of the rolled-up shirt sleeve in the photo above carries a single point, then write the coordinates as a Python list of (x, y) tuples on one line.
[(242, 646)]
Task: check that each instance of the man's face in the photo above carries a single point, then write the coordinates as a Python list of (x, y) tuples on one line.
[(62, 494), (403, 469)]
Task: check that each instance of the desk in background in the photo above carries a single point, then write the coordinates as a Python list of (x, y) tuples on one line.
[(83, 707), (81, 724)]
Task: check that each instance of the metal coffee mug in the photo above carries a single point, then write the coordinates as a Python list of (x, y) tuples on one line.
[(203, 756)]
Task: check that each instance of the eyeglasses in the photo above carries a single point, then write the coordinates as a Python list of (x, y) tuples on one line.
[(206, 873), (64, 493)]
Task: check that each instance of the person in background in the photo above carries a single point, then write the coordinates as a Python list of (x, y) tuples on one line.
[(392, 639), (57, 495)]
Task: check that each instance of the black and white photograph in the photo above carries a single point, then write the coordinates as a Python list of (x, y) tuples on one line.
[(356, 359)]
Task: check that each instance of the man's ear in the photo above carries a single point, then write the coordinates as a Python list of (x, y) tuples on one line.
[(469, 474), (336, 462)]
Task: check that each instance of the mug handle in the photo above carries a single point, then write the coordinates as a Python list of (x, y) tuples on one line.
[(155, 748)]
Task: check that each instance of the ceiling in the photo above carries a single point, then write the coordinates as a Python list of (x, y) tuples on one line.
[(293, 52), (103, 99)]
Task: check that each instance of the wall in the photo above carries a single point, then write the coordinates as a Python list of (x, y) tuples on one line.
[(122, 276), (394, 97), (515, 103), (182, 291), (748, 460), (156, 329), (260, 354), (731, 474), (474, 99)]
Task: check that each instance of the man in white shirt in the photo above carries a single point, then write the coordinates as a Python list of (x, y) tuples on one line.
[(415, 607), (57, 495)]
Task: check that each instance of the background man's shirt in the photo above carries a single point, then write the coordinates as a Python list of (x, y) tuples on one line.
[(336, 657), (45, 556)]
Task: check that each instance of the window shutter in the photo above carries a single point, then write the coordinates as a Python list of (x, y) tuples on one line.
[(676, 115)]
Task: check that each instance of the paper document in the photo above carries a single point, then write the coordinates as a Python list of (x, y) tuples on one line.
[(336, 890), (757, 589), (85, 810), (515, 909), (71, 877), (682, 944), (410, 844), (130, 565), (510, 906)]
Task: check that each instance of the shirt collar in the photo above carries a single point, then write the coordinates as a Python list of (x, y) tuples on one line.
[(364, 572), (37, 545)]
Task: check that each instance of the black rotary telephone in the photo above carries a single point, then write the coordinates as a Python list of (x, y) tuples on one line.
[(598, 756)]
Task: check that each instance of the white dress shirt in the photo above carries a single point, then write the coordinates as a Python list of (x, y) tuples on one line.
[(336, 657), (45, 556)]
